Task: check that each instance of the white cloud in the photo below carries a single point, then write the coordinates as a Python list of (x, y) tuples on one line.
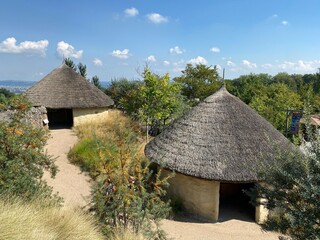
[(198, 60), (157, 18), (284, 23), (124, 54), (66, 50), (286, 65), (10, 46), (215, 50), (181, 62), (97, 62), (218, 67), (308, 66), (176, 50), (230, 64), (166, 63), (300, 66), (131, 12), (151, 58), (249, 64), (266, 66)]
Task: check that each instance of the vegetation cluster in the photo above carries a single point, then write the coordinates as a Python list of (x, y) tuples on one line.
[(128, 195)]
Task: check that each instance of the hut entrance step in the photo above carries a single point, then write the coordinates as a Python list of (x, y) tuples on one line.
[(60, 118), (234, 203)]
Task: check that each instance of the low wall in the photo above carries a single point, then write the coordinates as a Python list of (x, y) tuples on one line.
[(86, 115), (199, 197), (35, 116)]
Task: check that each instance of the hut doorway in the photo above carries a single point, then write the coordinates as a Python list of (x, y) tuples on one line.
[(234, 203), (60, 118)]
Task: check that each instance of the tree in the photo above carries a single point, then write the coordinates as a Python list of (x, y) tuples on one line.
[(122, 92), (292, 191), (82, 69), (95, 81), (273, 102), (286, 79), (70, 63), (246, 87), (159, 100), (5, 95), (199, 81), (22, 156)]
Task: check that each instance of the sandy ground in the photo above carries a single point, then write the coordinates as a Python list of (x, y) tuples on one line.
[(190, 229), (74, 187), (70, 182)]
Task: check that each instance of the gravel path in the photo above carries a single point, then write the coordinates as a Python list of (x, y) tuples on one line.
[(74, 187), (70, 182)]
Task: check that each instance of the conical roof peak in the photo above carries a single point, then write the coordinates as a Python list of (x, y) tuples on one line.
[(65, 88)]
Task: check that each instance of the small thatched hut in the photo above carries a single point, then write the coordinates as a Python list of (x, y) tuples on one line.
[(215, 149), (69, 98)]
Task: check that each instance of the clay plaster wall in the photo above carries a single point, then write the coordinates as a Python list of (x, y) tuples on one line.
[(87, 115), (199, 197)]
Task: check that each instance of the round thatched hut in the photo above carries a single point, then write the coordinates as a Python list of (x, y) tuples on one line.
[(69, 98), (214, 150)]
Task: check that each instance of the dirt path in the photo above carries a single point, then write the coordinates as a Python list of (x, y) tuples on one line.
[(69, 182)]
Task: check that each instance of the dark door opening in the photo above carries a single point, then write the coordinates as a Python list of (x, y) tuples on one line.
[(60, 118), (234, 203)]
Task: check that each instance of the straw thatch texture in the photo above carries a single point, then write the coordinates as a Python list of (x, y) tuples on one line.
[(221, 139), (64, 88)]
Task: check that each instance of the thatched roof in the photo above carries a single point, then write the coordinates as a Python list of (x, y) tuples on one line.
[(220, 139), (64, 88)]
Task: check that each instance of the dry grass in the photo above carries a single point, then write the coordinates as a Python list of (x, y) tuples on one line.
[(120, 234), (38, 220), (110, 127), (103, 126)]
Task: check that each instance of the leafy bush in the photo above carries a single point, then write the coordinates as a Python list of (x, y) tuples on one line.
[(22, 156), (292, 191), (129, 196), (126, 196)]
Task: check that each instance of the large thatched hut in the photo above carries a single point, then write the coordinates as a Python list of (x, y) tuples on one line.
[(68, 97), (215, 150)]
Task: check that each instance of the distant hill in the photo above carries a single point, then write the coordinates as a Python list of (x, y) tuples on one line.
[(18, 86)]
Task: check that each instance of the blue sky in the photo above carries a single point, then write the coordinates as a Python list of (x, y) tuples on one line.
[(117, 38)]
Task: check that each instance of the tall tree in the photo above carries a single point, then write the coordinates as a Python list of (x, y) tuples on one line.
[(199, 81), (159, 100), (96, 81), (122, 92), (70, 63), (273, 102), (82, 68)]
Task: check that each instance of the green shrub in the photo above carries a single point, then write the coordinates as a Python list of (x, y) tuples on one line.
[(22, 156), (292, 191), (127, 197)]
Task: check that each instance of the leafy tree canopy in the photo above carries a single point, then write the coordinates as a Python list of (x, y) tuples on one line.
[(122, 92), (199, 81)]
